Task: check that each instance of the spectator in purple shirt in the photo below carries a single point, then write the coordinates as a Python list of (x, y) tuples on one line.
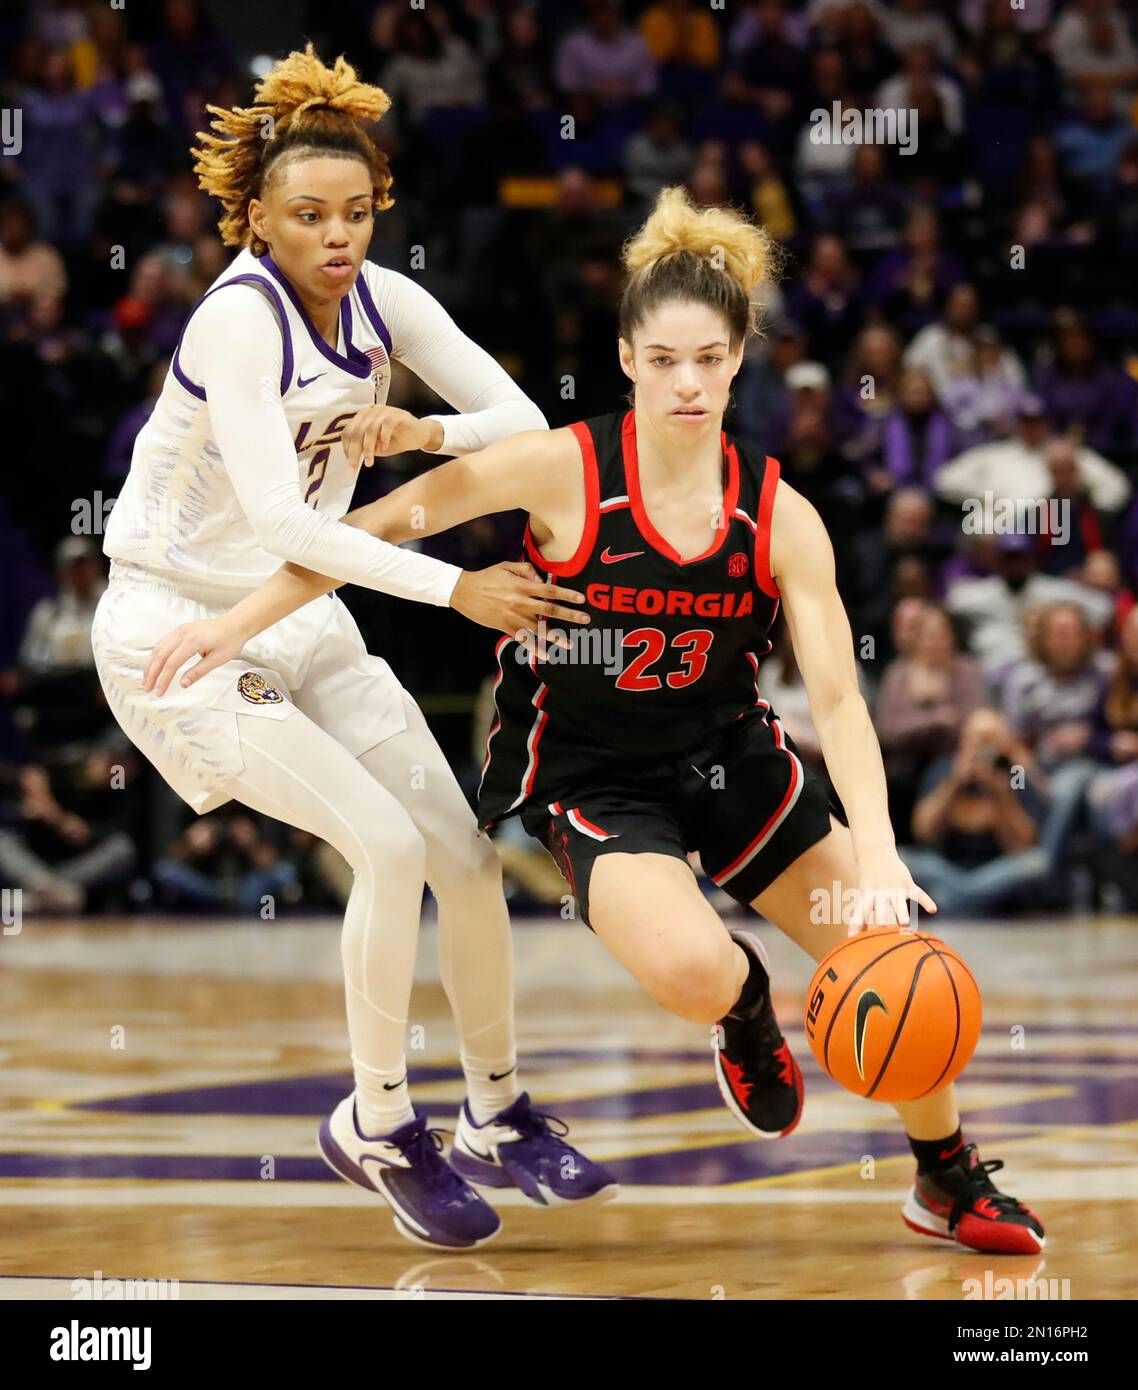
[(918, 438), (1085, 393), (63, 146), (910, 285), (605, 59)]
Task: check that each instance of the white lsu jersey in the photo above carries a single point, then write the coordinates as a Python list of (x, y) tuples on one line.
[(178, 516)]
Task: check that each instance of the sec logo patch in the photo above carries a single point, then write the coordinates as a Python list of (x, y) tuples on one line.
[(737, 564), (257, 690)]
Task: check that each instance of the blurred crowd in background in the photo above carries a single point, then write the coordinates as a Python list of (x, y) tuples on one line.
[(948, 370)]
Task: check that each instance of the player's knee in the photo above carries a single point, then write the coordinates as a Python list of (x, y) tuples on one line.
[(697, 983), (390, 845), (467, 864)]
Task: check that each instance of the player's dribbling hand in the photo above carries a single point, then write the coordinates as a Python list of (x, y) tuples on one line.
[(380, 430), (512, 598), (214, 640), (885, 887)]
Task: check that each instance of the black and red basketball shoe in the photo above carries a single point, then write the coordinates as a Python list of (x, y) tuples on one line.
[(962, 1203), (758, 1077)]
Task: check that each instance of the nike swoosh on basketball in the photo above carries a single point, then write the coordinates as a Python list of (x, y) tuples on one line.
[(608, 558), (307, 381), (501, 1076), (870, 1000)]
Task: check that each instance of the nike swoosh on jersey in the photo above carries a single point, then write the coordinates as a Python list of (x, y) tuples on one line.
[(307, 381), (608, 558)]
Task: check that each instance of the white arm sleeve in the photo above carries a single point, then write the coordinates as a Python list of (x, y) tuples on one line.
[(234, 345), (428, 341)]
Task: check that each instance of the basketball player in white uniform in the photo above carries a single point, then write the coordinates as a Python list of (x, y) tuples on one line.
[(275, 394)]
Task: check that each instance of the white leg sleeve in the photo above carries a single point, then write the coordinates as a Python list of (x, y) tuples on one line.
[(299, 774), (465, 875)]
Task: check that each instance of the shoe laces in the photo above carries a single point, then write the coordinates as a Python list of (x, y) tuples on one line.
[(425, 1152), (539, 1124), (978, 1183)]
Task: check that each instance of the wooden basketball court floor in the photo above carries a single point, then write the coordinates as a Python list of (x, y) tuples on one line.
[(162, 1083)]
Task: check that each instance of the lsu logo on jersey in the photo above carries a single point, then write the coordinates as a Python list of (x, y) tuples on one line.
[(257, 690)]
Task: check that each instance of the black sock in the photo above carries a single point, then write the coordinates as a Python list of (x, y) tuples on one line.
[(934, 1155), (754, 988)]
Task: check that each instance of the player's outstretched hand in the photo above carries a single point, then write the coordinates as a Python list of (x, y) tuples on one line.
[(512, 598), (214, 640), (885, 888)]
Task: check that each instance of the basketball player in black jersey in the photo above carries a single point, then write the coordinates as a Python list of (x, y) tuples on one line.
[(633, 734)]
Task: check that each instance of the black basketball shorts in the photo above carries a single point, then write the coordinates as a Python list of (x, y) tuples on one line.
[(745, 802)]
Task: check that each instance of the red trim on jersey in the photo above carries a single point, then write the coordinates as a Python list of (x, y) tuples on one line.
[(497, 724), (636, 497), (533, 741), (576, 561), (763, 577), (791, 792), (590, 825)]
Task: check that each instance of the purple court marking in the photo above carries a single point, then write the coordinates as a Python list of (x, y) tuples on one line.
[(1098, 1094)]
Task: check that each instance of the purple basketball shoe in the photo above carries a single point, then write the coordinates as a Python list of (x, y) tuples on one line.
[(519, 1148), (432, 1204)]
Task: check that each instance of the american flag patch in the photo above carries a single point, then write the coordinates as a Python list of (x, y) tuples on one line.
[(380, 362)]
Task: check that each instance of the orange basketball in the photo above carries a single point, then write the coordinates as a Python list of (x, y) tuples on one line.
[(892, 1014)]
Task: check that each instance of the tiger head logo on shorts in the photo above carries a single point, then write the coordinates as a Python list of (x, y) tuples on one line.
[(257, 690)]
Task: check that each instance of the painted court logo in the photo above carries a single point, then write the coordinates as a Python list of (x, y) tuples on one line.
[(257, 690)]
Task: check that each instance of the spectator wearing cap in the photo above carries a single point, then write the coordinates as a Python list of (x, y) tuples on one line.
[(1016, 469), (58, 634), (995, 607), (1085, 394)]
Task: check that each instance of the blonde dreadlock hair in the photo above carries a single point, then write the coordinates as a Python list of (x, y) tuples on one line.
[(301, 106), (712, 256)]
